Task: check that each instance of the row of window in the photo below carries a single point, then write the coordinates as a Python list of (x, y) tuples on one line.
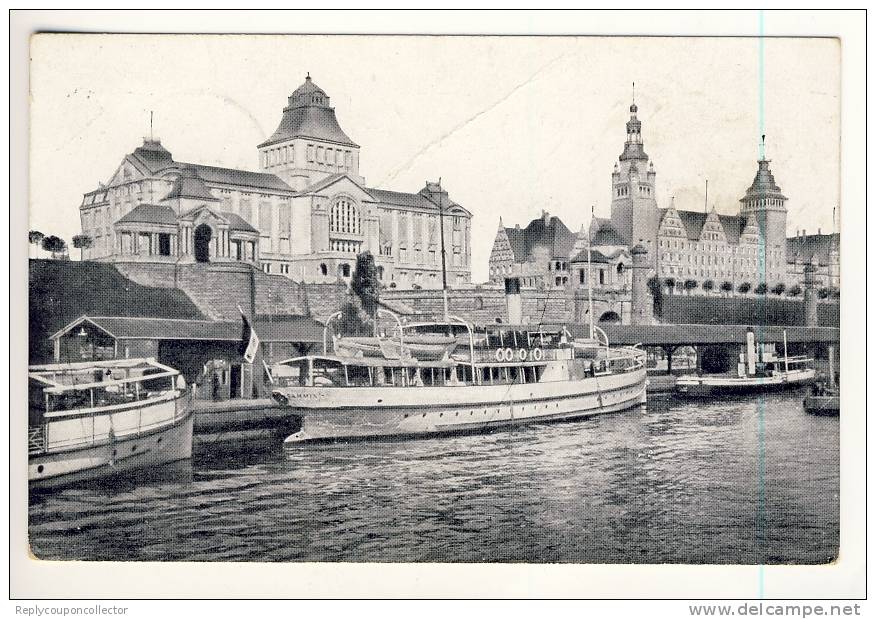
[(697, 272), (330, 156), (644, 190), (349, 247), (695, 246), (765, 202)]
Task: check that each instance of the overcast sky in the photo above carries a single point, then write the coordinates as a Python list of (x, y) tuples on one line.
[(513, 125)]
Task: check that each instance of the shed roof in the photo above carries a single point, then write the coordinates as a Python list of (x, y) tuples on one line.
[(288, 329)]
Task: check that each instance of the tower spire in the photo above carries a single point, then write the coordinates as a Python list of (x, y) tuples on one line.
[(634, 93)]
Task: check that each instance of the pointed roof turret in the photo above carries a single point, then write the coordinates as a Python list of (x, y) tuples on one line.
[(309, 115), (764, 184), (633, 147)]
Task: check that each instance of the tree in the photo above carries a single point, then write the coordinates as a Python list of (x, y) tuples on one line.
[(56, 245), (778, 289), (690, 284), (835, 293), (670, 283), (353, 319), (744, 287), (795, 291), (823, 293), (727, 286), (761, 288), (709, 285), (35, 237), (365, 283), (82, 242)]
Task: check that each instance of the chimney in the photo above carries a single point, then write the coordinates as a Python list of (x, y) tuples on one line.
[(804, 231), (819, 232), (545, 216)]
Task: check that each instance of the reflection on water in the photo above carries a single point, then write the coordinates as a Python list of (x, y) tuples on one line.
[(688, 482)]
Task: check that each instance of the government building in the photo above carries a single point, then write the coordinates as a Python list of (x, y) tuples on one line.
[(713, 251), (305, 214)]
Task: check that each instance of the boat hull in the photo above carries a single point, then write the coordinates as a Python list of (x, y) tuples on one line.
[(110, 458), (342, 414), (706, 386)]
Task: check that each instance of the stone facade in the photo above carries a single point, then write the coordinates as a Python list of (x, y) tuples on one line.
[(306, 214), (713, 250)]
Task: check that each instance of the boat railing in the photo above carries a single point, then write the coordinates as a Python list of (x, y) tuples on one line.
[(36, 439)]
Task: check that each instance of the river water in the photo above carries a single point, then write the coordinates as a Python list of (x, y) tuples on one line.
[(746, 480)]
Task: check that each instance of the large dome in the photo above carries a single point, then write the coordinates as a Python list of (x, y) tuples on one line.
[(308, 115)]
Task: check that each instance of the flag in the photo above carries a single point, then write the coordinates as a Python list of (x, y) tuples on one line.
[(249, 341)]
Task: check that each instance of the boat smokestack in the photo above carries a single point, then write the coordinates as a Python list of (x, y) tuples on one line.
[(513, 301)]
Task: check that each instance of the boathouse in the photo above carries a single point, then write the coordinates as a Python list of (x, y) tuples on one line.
[(206, 352)]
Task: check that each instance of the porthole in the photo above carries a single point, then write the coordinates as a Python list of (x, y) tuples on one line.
[(406, 415), (158, 441), (40, 468), (115, 452), (424, 414), (440, 414), (133, 448)]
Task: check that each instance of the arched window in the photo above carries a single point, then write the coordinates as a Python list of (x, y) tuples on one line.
[(344, 218), (323, 269)]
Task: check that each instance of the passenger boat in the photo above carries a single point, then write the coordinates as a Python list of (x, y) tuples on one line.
[(502, 376), (97, 419), (759, 368)]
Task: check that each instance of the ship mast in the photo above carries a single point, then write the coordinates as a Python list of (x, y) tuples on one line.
[(589, 270), (443, 253)]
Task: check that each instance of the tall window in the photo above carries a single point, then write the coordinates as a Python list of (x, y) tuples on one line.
[(344, 218)]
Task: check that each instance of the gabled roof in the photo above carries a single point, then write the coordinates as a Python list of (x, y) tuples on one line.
[(733, 226), (547, 231), (152, 155), (190, 185), (693, 223), (330, 180), (150, 214), (236, 222), (607, 234), (804, 248), (231, 176), (416, 200)]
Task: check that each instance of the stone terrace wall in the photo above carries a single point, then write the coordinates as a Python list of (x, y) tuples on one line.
[(218, 289), (485, 304)]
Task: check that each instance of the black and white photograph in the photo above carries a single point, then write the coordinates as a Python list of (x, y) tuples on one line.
[(359, 298)]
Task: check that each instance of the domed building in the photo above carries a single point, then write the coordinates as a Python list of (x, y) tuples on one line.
[(305, 214)]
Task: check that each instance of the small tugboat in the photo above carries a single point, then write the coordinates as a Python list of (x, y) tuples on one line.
[(760, 368), (498, 377), (98, 419), (824, 399)]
